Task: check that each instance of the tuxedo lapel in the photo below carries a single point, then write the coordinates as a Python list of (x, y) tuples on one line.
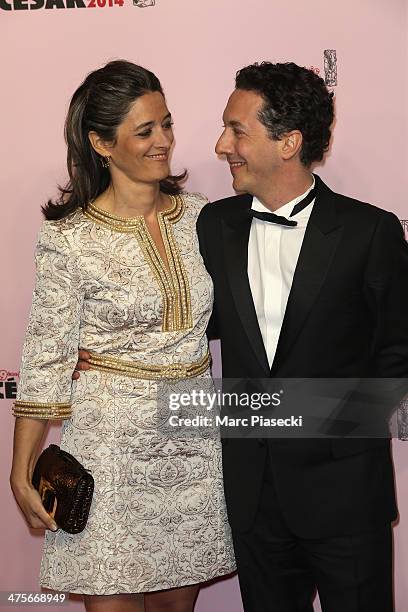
[(322, 236), (236, 228)]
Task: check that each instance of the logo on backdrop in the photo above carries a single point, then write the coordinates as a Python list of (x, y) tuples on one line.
[(25, 5), (8, 384), (330, 67)]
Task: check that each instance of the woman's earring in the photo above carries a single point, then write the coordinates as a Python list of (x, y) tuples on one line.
[(105, 161)]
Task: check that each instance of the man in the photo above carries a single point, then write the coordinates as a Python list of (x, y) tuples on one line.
[(324, 297)]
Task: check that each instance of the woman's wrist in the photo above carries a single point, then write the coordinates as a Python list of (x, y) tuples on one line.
[(20, 482)]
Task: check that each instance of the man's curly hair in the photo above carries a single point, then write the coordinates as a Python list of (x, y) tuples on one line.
[(295, 98)]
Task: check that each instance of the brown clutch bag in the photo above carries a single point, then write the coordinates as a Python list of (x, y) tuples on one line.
[(65, 487)]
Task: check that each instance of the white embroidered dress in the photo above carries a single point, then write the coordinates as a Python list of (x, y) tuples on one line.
[(158, 517)]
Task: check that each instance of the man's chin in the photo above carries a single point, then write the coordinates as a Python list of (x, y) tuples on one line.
[(239, 187)]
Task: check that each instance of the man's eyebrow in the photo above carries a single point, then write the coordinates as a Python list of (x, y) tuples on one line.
[(150, 123), (235, 123)]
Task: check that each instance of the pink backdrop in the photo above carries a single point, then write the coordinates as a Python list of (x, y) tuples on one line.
[(195, 48)]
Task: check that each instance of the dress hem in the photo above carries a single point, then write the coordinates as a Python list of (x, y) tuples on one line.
[(166, 587)]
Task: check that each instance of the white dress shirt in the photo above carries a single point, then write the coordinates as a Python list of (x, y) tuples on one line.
[(273, 251)]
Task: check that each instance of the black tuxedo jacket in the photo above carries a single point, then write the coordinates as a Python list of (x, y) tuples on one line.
[(346, 316)]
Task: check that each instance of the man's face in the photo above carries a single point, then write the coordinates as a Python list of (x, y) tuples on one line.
[(253, 156)]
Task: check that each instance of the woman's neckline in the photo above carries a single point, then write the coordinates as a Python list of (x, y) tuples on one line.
[(111, 215), (103, 217)]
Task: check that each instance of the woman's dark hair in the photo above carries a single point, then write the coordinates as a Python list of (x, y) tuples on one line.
[(295, 98), (100, 104)]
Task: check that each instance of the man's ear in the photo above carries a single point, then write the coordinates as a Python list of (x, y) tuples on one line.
[(99, 145), (291, 144)]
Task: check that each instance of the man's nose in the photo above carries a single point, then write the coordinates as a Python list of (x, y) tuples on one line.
[(224, 144)]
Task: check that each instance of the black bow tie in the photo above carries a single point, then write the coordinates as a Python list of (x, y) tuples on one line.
[(279, 220)]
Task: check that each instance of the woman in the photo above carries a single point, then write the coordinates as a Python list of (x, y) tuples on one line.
[(119, 273)]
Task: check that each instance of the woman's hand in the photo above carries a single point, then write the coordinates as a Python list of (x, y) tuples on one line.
[(31, 506), (82, 363), (28, 433)]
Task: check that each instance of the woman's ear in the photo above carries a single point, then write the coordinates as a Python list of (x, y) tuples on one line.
[(99, 145)]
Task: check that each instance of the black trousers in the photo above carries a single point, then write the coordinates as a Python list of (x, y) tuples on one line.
[(279, 572)]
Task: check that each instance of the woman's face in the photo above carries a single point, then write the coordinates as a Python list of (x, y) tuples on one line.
[(143, 141)]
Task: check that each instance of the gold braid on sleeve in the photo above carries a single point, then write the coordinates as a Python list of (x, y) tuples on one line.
[(38, 410)]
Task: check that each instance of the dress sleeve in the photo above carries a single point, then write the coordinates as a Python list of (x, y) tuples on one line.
[(50, 349)]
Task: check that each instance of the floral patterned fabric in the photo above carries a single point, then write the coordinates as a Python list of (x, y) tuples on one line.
[(158, 517)]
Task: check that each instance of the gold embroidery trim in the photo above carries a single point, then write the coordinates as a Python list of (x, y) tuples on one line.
[(40, 410), (137, 369), (173, 283)]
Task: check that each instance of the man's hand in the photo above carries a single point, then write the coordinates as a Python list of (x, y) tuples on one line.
[(82, 364)]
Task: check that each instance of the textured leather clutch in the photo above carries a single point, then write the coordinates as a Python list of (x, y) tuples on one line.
[(65, 487)]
